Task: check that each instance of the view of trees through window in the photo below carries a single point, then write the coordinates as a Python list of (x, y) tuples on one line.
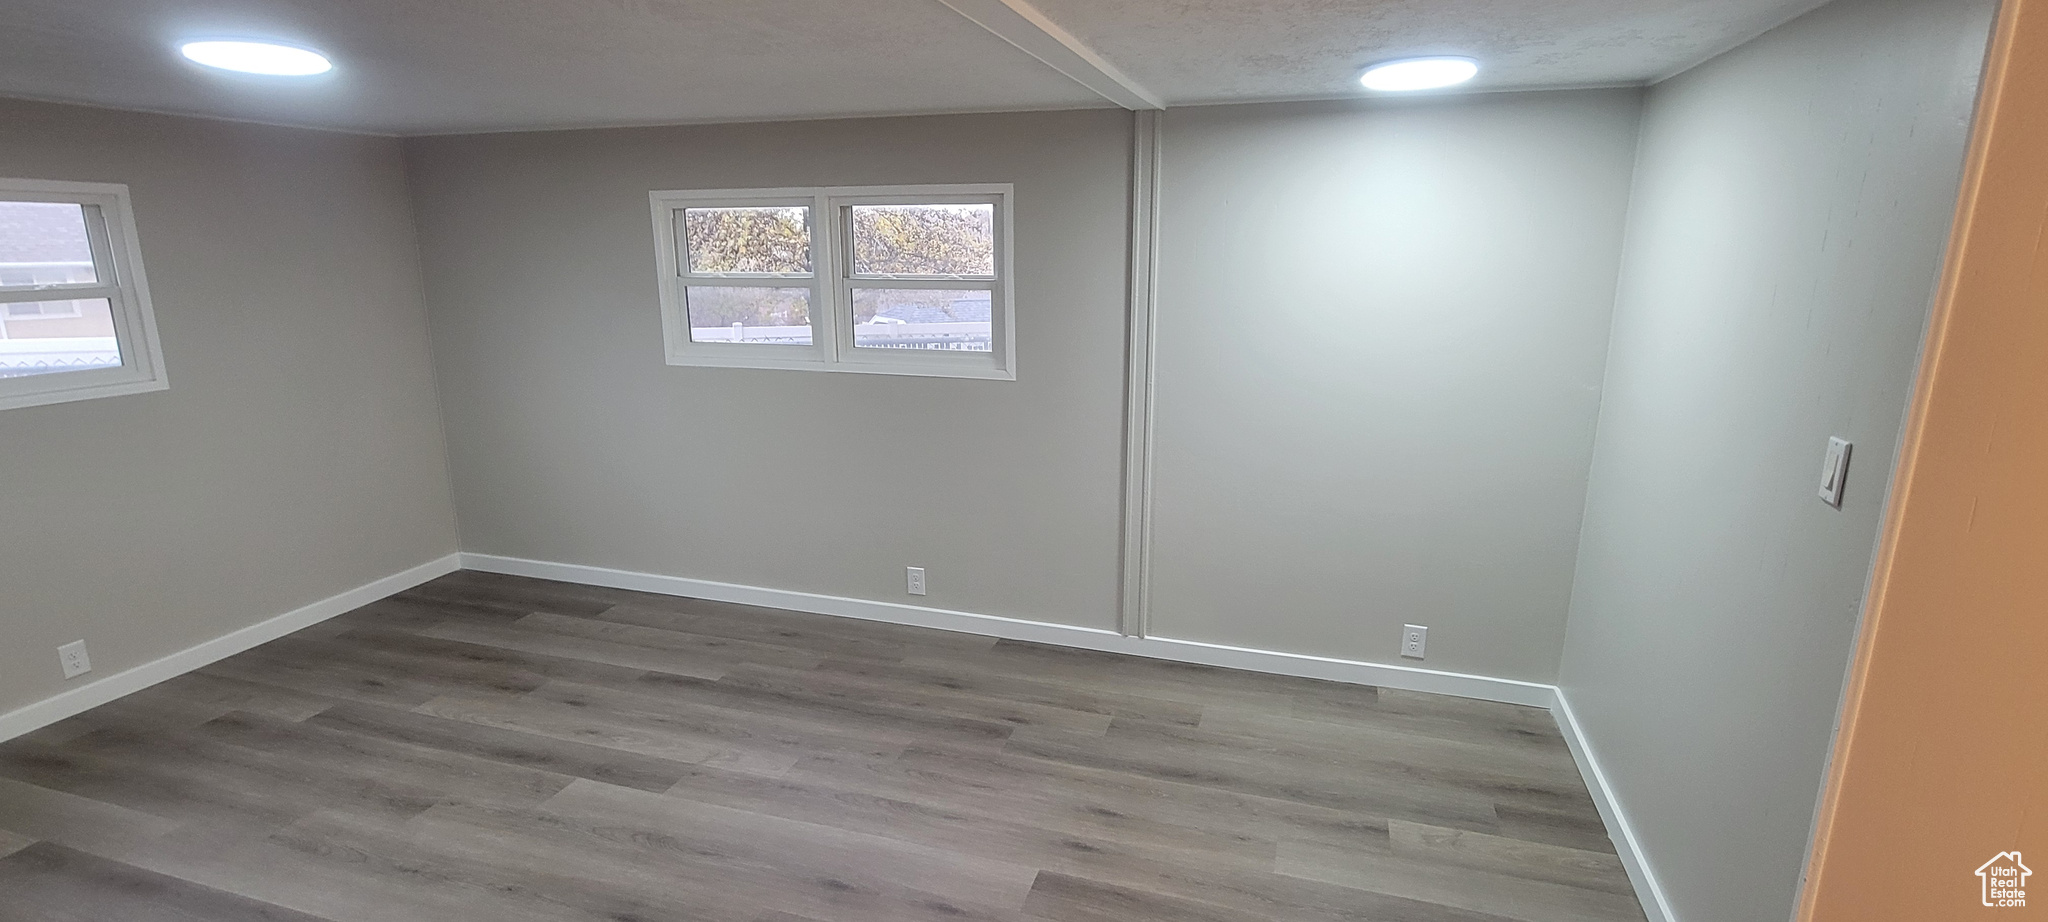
[(924, 241), (748, 240)]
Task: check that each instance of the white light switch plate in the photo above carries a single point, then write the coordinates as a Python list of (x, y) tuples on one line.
[(1834, 472)]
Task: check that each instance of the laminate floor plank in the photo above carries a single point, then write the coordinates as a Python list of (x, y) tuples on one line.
[(47, 882), (1091, 801), (433, 676), (1221, 765), (526, 595), (719, 872), (565, 723), (962, 679), (1523, 899), (611, 653), (857, 858), (1023, 837), (1574, 867), (349, 868), (562, 757), (191, 778), (195, 698), (1581, 829), (845, 636), (266, 666), (487, 748), (1072, 898), (881, 719), (32, 812), (417, 652), (409, 611), (1186, 681), (1498, 774), (145, 788), (988, 709), (1425, 744), (11, 842), (335, 757), (724, 649), (770, 633)]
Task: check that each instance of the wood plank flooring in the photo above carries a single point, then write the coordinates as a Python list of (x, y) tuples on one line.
[(500, 749)]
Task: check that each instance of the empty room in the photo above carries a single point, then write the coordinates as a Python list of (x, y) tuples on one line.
[(1021, 460)]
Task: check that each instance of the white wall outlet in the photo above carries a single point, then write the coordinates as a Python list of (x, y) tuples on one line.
[(1413, 638), (1834, 472), (76, 663), (915, 577)]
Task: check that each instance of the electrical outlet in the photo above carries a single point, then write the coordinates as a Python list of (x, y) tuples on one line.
[(76, 663), (1413, 638), (915, 576)]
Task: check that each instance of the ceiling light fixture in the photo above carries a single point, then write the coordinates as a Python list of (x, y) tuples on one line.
[(1419, 74), (267, 58)]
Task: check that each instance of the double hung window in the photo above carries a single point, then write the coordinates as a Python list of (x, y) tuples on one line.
[(911, 280), (75, 320)]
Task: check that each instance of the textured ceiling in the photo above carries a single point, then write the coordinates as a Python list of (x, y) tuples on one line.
[(1196, 51), (425, 66), (415, 66)]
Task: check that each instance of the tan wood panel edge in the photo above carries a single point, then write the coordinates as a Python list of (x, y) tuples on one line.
[(1942, 763)]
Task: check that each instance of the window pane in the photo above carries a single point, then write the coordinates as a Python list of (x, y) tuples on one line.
[(901, 318), (45, 337), (749, 315), (44, 243), (924, 240), (772, 240)]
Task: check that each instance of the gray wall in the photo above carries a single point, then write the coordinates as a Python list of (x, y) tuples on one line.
[(298, 451), (572, 441), (1381, 335), (1792, 203)]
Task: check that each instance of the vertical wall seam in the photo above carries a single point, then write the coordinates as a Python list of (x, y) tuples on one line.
[(1135, 610)]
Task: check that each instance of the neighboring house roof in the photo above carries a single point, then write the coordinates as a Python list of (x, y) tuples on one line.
[(40, 235), (961, 310)]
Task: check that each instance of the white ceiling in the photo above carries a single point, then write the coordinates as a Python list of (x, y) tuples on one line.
[(427, 66), (1199, 51)]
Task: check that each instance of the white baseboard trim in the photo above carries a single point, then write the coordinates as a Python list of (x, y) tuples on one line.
[(1655, 906), (1407, 678), (91, 695)]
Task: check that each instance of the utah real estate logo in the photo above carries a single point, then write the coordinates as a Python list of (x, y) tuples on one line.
[(2005, 880)]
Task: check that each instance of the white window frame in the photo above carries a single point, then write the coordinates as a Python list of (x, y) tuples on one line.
[(117, 257), (832, 281)]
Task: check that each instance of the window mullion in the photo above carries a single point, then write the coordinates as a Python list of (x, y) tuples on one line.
[(830, 249), (22, 295), (747, 281), (923, 282)]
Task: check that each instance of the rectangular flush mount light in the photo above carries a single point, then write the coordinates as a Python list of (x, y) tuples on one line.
[(271, 59), (1410, 74)]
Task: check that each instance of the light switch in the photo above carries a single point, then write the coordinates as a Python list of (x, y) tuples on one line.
[(1834, 471)]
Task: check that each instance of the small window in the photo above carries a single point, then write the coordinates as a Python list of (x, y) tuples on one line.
[(900, 280), (75, 320)]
